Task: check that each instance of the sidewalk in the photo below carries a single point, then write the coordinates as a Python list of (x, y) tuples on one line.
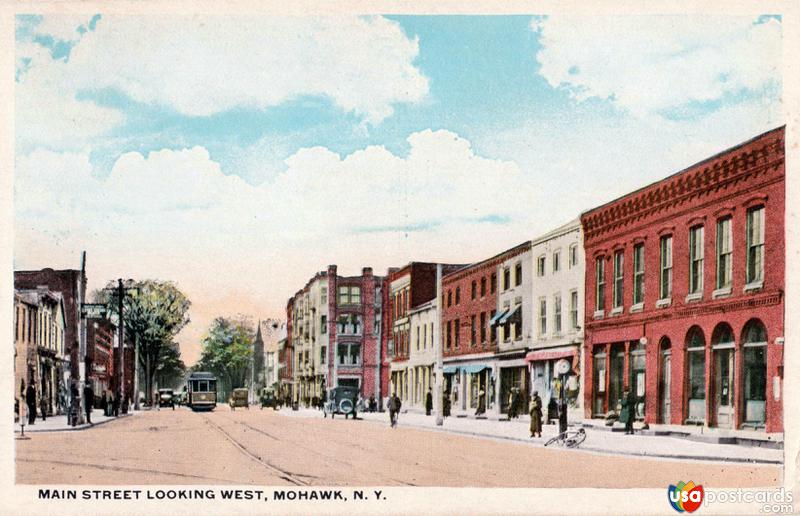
[(599, 441), (59, 423)]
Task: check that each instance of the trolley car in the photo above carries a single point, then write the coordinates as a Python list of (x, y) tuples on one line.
[(202, 393)]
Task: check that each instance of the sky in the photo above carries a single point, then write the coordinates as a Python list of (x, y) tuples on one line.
[(239, 155)]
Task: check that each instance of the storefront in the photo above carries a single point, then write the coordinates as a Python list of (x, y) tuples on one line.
[(470, 386), (547, 381)]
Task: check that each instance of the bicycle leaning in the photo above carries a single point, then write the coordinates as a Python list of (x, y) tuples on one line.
[(570, 438)]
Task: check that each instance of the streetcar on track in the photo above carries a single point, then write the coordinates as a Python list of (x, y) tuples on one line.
[(202, 392)]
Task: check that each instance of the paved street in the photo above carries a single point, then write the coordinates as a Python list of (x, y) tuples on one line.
[(264, 447)]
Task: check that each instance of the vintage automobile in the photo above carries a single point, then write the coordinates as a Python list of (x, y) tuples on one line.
[(239, 398), (166, 398), (341, 400), (269, 399)]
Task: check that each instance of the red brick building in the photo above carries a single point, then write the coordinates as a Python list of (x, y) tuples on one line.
[(100, 337), (333, 335), (469, 332), (684, 294), (405, 289)]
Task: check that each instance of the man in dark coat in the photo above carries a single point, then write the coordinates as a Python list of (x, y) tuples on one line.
[(115, 404), (30, 400), (394, 409), (428, 403), (88, 401), (44, 405), (536, 415), (627, 412), (446, 403)]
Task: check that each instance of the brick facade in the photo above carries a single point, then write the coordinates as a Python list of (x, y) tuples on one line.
[(706, 347)]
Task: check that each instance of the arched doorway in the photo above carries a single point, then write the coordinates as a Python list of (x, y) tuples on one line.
[(754, 384), (664, 381), (724, 348), (696, 364)]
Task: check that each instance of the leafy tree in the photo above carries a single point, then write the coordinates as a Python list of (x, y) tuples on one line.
[(227, 352), (154, 312), (170, 371)]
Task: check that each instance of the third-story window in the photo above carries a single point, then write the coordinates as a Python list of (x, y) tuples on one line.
[(483, 286), (494, 283), (600, 283), (638, 274), (417, 338), (557, 313), (573, 309), (474, 289), (573, 255), (665, 252), (449, 333), (696, 259), (458, 295), (323, 324), (724, 253), (540, 266), (506, 278), (542, 316), (619, 262), (556, 261), (755, 245), (518, 274), (449, 298)]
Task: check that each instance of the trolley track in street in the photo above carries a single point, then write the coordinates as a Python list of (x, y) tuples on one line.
[(285, 475)]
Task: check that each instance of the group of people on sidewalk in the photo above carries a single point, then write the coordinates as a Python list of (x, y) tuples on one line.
[(109, 403)]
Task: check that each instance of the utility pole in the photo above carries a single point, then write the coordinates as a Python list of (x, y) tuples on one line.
[(438, 396), (121, 329), (136, 372), (82, 342)]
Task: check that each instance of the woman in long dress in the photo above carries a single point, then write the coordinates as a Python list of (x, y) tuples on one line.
[(536, 415)]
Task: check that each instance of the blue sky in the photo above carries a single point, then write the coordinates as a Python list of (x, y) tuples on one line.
[(271, 147)]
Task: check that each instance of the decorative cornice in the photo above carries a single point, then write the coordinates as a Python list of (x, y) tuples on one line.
[(764, 155), (689, 311)]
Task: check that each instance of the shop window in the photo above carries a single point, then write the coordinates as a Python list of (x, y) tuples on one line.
[(696, 358), (755, 373)]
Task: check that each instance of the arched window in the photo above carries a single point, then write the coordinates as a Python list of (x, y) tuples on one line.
[(696, 358), (723, 335), (754, 341)]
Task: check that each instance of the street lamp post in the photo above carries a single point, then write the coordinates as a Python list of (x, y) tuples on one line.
[(438, 400)]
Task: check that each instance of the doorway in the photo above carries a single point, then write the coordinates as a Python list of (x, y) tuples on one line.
[(724, 386), (664, 382)]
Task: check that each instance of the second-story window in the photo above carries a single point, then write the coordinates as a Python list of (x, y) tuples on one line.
[(473, 330), (556, 261), (573, 309), (557, 313), (542, 316), (323, 324), (457, 332), (665, 276), (573, 255), (600, 283), (696, 259), (755, 245), (638, 274), (483, 327), (323, 295), (724, 253), (619, 276), (349, 295)]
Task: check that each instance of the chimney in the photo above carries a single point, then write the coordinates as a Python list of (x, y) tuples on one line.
[(366, 271), (331, 270)]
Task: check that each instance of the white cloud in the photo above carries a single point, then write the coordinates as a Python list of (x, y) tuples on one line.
[(647, 64), (174, 214), (205, 65)]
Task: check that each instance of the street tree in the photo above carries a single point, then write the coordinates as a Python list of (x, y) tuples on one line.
[(228, 351), (154, 312)]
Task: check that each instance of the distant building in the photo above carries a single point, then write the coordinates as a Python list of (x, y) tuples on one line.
[(39, 346), (268, 332), (332, 335), (101, 339), (684, 294)]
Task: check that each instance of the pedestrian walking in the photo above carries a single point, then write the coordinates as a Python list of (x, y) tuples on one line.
[(394, 409), (481, 403), (373, 403), (115, 404), (44, 406), (30, 400), (446, 404), (104, 403), (74, 403), (88, 401), (627, 412), (536, 415), (428, 402)]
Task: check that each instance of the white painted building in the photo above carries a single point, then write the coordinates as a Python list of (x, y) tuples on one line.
[(422, 354), (557, 315)]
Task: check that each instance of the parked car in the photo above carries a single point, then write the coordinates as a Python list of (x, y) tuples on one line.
[(269, 399), (166, 398), (239, 398), (341, 400)]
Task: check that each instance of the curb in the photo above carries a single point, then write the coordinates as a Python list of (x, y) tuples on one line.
[(73, 428), (602, 451)]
